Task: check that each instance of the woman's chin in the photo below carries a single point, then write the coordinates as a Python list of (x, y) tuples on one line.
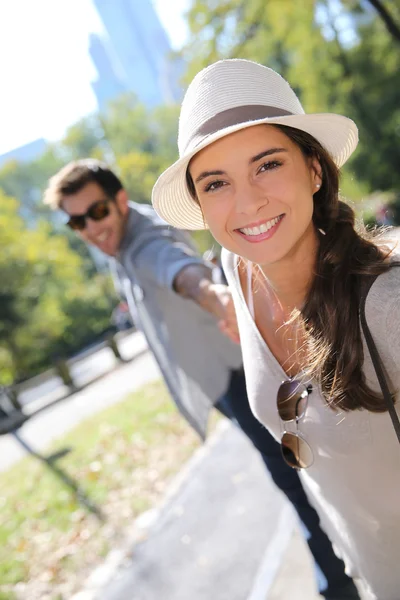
[(261, 254)]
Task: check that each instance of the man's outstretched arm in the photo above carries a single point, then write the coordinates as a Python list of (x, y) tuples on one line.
[(171, 263)]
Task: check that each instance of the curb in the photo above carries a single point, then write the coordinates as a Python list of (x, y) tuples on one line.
[(273, 557), (37, 406), (104, 573)]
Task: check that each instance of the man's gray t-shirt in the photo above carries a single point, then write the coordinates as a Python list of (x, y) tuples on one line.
[(195, 358)]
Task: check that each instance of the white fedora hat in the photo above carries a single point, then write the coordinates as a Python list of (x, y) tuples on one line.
[(227, 96)]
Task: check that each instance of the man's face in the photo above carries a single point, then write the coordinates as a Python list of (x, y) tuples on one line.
[(106, 234)]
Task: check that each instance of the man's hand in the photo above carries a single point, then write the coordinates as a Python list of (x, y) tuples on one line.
[(227, 321), (194, 281), (217, 299)]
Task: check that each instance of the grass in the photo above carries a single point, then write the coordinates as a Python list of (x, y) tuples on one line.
[(123, 459)]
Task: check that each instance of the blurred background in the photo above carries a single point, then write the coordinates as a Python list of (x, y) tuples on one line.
[(104, 79)]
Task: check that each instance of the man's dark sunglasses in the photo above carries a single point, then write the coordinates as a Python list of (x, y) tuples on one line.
[(97, 212)]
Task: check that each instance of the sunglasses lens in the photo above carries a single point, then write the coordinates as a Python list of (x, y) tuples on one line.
[(292, 400), (99, 211), (296, 452), (77, 223)]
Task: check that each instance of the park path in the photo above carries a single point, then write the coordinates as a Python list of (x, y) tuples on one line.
[(113, 386), (225, 533)]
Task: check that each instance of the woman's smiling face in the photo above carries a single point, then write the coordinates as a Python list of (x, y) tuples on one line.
[(255, 188)]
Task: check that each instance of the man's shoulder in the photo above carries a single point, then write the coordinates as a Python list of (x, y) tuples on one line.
[(147, 215), (143, 225), (144, 228)]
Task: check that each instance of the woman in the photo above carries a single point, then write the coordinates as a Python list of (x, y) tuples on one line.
[(264, 177)]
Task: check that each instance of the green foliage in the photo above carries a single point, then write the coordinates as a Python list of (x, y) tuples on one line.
[(83, 139), (376, 106), (122, 458), (126, 126), (87, 308), (43, 291), (52, 301), (26, 181), (143, 142), (137, 171), (339, 56)]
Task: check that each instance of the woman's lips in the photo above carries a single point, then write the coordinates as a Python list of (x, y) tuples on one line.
[(263, 235)]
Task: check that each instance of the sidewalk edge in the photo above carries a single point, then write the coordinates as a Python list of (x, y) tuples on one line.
[(103, 574)]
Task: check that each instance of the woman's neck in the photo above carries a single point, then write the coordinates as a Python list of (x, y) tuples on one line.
[(288, 281)]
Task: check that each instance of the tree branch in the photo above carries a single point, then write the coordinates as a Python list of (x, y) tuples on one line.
[(392, 27)]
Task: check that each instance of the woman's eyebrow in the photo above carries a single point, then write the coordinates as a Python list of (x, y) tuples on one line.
[(254, 159), (205, 174), (266, 153)]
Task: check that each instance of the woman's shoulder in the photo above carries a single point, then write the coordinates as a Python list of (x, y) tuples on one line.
[(229, 262), (386, 287), (228, 259), (382, 312), (382, 306), (235, 269)]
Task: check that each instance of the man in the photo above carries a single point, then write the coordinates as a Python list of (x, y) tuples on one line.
[(175, 301)]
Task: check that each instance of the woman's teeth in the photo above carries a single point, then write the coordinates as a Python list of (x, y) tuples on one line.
[(261, 228)]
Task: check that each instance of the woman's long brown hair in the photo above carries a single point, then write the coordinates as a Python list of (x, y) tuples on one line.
[(346, 258), (330, 317)]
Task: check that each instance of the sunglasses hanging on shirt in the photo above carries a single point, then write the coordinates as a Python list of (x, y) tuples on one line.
[(292, 402)]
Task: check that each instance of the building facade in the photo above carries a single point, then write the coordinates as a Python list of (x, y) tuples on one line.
[(25, 153), (109, 83), (137, 54)]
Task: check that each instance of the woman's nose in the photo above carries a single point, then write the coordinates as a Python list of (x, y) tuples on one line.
[(249, 199)]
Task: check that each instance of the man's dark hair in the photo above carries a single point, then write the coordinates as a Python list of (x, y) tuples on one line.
[(76, 175)]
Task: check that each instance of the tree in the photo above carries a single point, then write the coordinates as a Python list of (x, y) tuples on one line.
[(28, 309), (370, 94), (83, 139), (385, 14), (26, 182), (142, 142), (126, 126), (42, 286), (351, 69), (53, 301), (138, 173)]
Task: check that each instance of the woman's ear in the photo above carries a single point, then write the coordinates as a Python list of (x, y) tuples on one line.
[(316, 173)]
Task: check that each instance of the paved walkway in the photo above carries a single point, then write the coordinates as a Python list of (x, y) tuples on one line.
[(295, 577), (53, 422), (227, 533)]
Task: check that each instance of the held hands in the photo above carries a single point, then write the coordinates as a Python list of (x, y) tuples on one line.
[(224, 310), (194, 281)]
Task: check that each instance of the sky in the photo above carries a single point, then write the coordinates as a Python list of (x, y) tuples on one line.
[(45, 69)]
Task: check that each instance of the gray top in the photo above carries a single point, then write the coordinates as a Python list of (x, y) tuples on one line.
[(195, 358), (354, 482)]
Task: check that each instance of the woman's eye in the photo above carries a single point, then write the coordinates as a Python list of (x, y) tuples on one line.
[(268, 166), (214, 185)]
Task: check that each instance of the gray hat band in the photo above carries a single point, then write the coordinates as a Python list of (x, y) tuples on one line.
[(233, 116)]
